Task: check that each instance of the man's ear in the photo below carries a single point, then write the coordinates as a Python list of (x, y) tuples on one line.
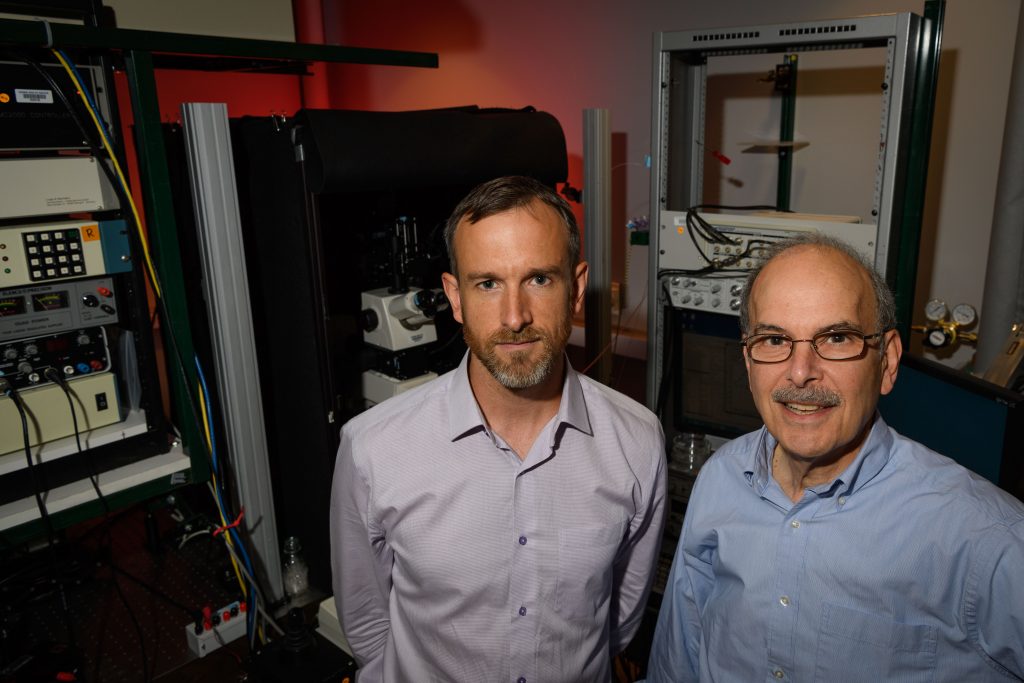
[(746, 361), (451, 290), (580, 276), (892, 351)]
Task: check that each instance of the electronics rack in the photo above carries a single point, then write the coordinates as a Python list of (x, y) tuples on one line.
[(700, 256), (76, 349), (678, 128)]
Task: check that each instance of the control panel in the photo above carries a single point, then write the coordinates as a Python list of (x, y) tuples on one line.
[(29, 311), (706, 266), (30, 362), (45, 252)]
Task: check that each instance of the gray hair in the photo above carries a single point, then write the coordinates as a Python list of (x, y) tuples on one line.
[(506, 193), (885, 305)]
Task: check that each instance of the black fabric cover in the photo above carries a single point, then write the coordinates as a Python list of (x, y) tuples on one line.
[(359, 151)]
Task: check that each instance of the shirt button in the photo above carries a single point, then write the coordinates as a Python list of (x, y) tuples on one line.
[(521, 680), (522, 540), (842, 500), (795, 524), (784, 601), (522, 611), (778, 674)]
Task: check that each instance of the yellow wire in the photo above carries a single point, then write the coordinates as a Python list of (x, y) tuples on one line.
[(156, 289), (117, 167), (213, 477)]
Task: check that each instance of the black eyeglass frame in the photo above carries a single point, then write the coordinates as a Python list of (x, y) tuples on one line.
[(793, 342)]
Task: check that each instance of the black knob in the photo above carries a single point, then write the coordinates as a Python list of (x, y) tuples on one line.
[(369, 319)]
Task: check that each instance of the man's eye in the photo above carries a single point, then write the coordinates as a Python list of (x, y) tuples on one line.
[(541, 279), (487, 284), (836, 338), (774, 340)]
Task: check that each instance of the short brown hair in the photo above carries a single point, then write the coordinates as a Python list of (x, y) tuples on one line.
[(502, 194)]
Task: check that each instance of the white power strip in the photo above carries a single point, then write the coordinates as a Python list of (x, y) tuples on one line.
[(230, 625)]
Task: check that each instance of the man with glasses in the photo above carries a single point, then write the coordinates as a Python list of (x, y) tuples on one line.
[(825, 546)]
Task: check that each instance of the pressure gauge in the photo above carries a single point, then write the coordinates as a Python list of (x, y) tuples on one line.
[(935, 310), (964, 315), (937, 337)]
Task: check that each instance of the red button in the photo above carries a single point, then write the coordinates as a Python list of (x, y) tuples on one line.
[(95, 364), (105, 292)]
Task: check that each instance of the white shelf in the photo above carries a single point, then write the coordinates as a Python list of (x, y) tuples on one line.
[(133, 425), (76, 493)]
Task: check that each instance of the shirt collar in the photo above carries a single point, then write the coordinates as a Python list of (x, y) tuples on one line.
[(873, 456), (464, 415)]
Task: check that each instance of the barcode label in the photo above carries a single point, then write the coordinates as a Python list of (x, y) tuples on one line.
[(26, 96)]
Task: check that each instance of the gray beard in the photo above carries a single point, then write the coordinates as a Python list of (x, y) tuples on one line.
[(517, 372)]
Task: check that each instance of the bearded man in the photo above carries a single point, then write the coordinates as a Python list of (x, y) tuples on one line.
[(500, 523)]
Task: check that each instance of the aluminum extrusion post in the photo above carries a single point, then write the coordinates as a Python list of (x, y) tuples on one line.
[(597, 218)]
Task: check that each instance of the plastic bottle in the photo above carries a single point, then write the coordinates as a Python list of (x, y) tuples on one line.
[(294, 570)]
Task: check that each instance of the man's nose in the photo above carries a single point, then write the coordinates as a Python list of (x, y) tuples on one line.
[(515, 314), (804, 364)]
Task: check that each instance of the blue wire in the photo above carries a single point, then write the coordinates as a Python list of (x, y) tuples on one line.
[(209, 417), (80, 84), (250, 613), (250, 617)]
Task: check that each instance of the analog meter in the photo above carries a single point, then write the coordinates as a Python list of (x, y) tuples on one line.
[(964, 315), (935, 310)]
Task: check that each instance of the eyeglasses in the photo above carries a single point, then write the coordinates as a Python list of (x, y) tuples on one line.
[(831, 345)]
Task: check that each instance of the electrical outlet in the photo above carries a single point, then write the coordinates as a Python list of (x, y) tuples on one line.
[(216, 629)]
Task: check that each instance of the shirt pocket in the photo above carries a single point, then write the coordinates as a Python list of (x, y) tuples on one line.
[(858, 646), (585, 559)]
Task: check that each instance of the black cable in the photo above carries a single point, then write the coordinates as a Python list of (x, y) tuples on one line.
[(698, 225), (161, 307), (11, 393), (54, 376), (121, 191), (138, 630)]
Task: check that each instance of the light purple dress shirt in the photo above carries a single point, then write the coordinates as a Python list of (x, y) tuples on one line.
[(454, 560)]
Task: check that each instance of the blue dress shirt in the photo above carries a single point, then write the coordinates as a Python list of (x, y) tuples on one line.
[(907, 567), (454, 560)]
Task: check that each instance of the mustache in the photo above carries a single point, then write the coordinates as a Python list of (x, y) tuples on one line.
[(819, 396), (507, 336)]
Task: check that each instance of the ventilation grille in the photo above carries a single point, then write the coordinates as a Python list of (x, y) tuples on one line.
[(703, 37), (841, 28)]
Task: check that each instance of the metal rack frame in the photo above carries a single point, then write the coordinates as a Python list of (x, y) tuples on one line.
[(142, 53), (678, 125)]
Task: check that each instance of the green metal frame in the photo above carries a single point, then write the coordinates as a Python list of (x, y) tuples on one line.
[(909, 237), (787, 128), (141, 51), (40, 33)]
